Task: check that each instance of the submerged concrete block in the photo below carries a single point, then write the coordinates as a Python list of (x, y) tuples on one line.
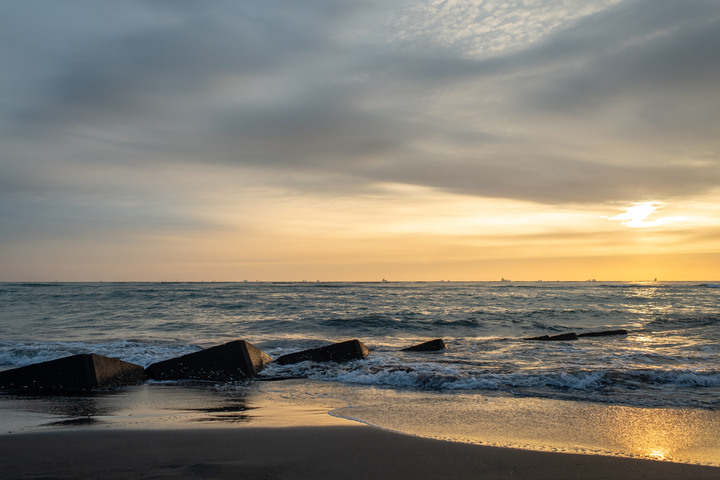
[(542, 337), (607, 333), (431, 346), (74, 373), (564, 336), (337, 352), (230, 361)]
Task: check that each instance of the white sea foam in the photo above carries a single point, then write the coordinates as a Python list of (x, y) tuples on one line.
[(13, 355), (607, 385)]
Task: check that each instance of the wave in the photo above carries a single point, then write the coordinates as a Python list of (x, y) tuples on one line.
[(523, 286), (462, 323), (648, 386), (488, 370), (690, 322), (372, 321), (13, 355), (223, 306)]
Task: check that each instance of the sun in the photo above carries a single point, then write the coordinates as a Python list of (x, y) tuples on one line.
[(635, 216)]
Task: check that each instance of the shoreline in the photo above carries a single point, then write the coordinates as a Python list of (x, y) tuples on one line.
[(297, 430)]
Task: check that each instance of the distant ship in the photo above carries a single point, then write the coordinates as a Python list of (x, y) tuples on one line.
[(384, 281), (504, 280)]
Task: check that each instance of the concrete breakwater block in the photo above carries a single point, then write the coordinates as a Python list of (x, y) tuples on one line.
[(431, 346), (607, 333), (74, 373), (337, 352), (555, 338), (574, 336), (230, 361)]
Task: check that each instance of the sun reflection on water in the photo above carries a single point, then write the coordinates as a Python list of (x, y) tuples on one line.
[(659, 434), (657, 455), (663, 434)]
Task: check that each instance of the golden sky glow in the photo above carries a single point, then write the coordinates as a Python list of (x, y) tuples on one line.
[(415, 140)]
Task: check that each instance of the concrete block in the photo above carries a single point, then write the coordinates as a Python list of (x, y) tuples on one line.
[(431, 346), (230, 361), (74, 373), (337, 352), (561, 337), (607, 333)]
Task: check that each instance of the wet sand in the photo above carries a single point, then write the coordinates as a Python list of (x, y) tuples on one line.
[(186, 431), (348, 452)]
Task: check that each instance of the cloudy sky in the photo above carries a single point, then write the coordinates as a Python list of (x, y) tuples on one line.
[(359, 140)]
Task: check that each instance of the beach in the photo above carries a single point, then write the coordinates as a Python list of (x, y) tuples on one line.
[(200, 431), (349, 452)]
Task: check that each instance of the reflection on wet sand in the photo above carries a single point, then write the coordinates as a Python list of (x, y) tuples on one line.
[(673, 434), (130, 406), (65, 405), (235, 411), (660, 433), (61, 409), (161, 406), (678, 435), (73, 422)]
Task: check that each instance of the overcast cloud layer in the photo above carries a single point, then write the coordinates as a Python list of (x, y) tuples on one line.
[(555, 102), (308, 85)]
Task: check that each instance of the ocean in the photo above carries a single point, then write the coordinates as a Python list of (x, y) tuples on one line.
[(668, 365)]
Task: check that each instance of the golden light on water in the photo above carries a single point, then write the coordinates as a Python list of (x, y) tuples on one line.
[(657, 454), (681, 435), (642, 338), (660, 433)]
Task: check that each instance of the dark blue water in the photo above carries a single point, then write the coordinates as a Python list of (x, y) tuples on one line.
[(671, 356)]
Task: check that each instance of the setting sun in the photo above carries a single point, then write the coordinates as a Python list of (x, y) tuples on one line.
[(635, 216)]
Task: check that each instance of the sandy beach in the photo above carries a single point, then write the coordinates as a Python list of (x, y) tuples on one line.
[(198, 431), (349, 452)]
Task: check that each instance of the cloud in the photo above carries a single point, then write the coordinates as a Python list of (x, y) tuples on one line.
[(613, 104), (129, 75), (644, 52)]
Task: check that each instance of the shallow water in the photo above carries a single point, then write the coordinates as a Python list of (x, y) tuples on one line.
[(684, 435)]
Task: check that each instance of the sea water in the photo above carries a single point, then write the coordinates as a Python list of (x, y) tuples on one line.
[(668, 365)]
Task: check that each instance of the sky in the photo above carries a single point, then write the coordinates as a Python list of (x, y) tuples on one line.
[(355, 140)]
